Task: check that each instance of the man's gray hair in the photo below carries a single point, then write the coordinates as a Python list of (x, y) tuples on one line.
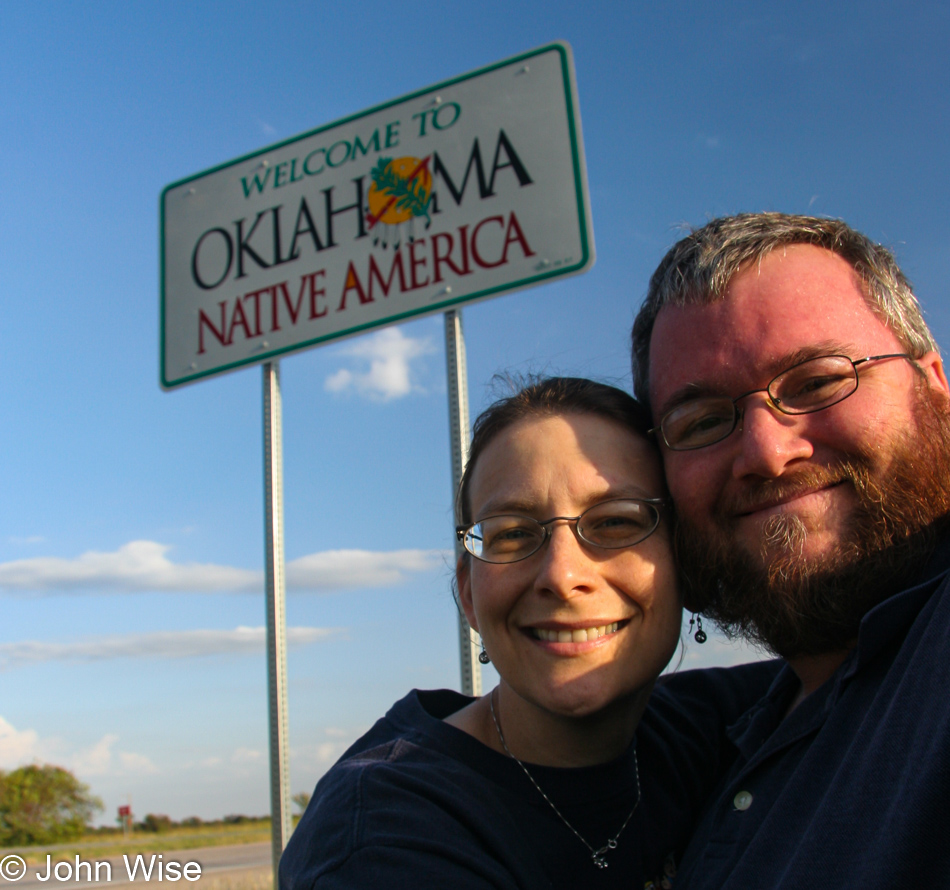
[(698, 269)]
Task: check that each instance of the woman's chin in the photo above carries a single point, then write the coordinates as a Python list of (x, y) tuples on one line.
[(580, 699)]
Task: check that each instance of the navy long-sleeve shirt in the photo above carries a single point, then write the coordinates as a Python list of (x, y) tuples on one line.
[(852, 788)]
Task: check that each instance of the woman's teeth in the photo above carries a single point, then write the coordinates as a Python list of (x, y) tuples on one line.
[(582, 635)]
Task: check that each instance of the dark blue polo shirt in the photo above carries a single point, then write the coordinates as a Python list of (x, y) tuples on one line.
[(852, 789)]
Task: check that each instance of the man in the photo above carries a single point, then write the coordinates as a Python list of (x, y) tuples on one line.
[(803, 414)]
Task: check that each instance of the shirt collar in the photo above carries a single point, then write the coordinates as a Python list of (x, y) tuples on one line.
[(892, 617), (882, 624)]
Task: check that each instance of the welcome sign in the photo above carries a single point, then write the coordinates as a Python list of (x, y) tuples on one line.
[(465, 190)]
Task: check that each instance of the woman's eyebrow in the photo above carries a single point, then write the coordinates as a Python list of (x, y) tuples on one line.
[(501, 506), (495, 507)]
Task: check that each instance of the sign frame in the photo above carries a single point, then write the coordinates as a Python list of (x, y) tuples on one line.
[(581, 202)]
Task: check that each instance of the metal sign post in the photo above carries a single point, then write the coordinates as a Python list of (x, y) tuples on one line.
[(460, 438), (281, 825)]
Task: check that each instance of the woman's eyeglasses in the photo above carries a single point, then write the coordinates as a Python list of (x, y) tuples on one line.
[(610, 525)]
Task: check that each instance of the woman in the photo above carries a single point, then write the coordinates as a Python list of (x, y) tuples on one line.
[(559, 777)]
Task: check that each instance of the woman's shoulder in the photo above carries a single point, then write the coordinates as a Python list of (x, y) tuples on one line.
[(410, 737), (416, 716), (401, 797)]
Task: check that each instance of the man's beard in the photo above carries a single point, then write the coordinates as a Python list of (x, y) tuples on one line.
[(797, 606)]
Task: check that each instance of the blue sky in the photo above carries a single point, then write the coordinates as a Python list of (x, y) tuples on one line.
[(131, 541)]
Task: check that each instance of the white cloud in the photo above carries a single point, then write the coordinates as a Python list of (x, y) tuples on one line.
[(347, 569), (160, 644), (316, 757), (138, 565), (138, 764), (16, 747), (22, 747), (95, 760), (329, 752), (383, 365), (144, 566), (246, 755)]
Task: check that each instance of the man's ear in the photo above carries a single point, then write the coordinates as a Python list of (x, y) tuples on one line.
[(932, 366), (463, 579)]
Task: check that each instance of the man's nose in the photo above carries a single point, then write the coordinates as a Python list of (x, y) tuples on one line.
[(769, 441), (566, 568)]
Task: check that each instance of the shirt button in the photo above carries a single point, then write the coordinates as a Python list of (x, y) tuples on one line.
[(743, 800)]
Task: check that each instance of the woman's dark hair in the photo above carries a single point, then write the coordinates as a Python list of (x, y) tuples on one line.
[(548, 397)]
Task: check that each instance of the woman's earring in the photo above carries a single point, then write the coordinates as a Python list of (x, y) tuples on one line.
[(483, 655), (700, 635)]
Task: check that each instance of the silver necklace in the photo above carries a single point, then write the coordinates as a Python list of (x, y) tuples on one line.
[(596, 855)]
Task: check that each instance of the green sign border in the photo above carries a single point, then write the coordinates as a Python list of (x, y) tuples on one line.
[(580, 193)]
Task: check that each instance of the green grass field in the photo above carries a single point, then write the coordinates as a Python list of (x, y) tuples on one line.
[(98, 845)]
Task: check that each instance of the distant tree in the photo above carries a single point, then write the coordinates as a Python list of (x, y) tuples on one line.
[(43, 805), (156, 823), (301, 799)]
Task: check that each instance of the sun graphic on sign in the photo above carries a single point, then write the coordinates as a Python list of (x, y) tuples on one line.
[(401, 192)]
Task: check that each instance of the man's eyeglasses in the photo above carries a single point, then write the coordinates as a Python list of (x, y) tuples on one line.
[(611, 525), (809, 386)]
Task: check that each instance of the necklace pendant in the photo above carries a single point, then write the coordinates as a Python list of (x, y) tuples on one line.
[(596, 855)]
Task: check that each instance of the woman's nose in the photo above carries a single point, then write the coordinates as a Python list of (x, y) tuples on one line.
[(566, 568)]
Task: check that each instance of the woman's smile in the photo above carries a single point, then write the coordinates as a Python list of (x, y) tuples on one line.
[(583, 634)]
